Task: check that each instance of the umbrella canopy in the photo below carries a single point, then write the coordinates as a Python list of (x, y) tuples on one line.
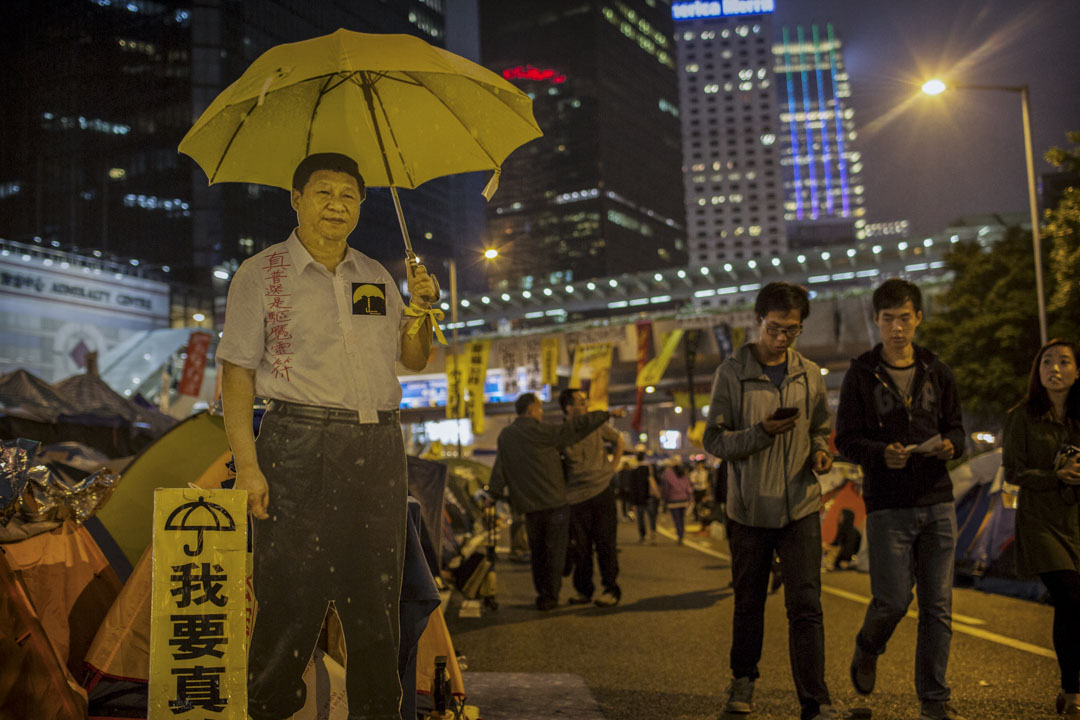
[(405, 110)]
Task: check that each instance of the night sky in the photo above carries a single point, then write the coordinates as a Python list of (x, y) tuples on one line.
[(932, 159)]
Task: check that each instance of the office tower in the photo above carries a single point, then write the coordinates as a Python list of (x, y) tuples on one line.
[(731, 149), (100, 92), (600, 193), (824, 201)]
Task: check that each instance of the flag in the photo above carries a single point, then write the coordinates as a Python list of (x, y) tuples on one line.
[(654, 369)]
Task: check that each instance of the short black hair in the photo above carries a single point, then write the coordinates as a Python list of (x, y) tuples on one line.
[(327, 161), (524, 400), (894, 292), (566, 397), (784, 297)]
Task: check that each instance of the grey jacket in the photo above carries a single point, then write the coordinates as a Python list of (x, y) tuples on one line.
[(770, 483), (528, 463)]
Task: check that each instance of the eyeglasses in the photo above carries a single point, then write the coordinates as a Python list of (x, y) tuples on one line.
[(776, 331)]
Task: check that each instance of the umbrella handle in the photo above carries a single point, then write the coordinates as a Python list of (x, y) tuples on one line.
[(411, 261)]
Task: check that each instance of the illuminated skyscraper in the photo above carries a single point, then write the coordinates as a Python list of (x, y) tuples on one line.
[(823, 189), (600, 192), (731, 153)]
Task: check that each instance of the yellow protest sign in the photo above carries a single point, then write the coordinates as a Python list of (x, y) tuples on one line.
[(654, 369), (592, 365), (549, 361), (198, 612), (455, 386), (477, 353), (696, 434)]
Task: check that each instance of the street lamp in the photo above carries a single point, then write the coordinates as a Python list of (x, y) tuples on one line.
[(936, 87)]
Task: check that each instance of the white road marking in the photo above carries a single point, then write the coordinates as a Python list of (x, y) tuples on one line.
[(961, 623)]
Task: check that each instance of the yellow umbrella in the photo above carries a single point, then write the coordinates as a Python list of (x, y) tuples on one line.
[(405, 110)]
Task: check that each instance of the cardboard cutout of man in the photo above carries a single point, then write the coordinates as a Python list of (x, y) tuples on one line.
[(316, 327)]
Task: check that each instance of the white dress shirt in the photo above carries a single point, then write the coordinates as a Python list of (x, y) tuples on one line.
[(316, 337)]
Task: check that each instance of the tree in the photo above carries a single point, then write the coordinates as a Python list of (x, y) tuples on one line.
[(1063, 230), (986, 326)]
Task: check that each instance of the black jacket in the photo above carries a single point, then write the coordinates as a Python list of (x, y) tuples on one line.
[(872, 415)]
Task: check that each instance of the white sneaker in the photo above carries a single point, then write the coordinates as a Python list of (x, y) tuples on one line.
[(607, 600)]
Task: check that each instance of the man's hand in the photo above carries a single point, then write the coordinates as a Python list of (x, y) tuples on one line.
[(822, 462), (946, 452), (252, 480), (617, 412), (779, 427), (423, 289), (1070, 474), (896, 456)]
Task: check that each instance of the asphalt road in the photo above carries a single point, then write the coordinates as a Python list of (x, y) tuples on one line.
[(663, 651)]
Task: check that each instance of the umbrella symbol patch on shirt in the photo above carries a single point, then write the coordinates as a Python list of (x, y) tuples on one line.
[(369, 298)]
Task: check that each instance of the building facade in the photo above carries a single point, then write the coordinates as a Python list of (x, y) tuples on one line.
[(823, 190), (731, 145), (600, 192), (100, 93)]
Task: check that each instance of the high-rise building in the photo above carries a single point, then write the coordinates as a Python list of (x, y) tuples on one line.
[(600, 192), (823, 190), (731, 149), (99, 94)]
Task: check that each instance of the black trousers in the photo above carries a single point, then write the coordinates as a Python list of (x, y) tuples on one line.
[(1064, 587), (336, 533), (799, 546), (549, 532), (594, 525)]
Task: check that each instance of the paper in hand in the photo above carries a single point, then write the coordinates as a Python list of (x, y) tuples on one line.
[(927, 447)]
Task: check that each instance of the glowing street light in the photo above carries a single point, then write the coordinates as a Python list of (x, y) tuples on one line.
[(933, 87), (491, 254), (936, 87)]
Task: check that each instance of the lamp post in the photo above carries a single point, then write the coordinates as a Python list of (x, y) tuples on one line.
[(936, 87)]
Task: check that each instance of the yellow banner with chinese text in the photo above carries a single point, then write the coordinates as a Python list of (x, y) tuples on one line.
[(654, 369), (592, 372), (198, 615), (549, 361), (477, 353)]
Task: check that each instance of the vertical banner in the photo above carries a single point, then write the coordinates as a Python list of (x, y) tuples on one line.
[(690, 349), (549, 361), (532, 361), (192, 377), (654, 369), (722, 335), (198, 611), (477, 352), (592, 372), (643, 329), (455, 386)]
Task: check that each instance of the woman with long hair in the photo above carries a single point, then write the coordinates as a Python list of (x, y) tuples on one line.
[(1039, 433)]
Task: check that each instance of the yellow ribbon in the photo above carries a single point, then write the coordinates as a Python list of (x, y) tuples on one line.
[(422, 314)]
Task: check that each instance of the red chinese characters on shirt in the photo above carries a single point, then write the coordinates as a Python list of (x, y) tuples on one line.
[(279, 312)]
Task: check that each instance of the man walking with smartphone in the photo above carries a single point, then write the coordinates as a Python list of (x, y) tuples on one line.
[(769, 420)]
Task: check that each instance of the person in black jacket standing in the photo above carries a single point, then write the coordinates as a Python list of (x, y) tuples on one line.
[(899, 418)]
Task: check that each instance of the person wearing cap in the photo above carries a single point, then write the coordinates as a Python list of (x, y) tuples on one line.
[(317, 327)]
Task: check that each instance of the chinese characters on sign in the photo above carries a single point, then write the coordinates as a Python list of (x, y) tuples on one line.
[(195, 364), (279, 312), (198, 634)]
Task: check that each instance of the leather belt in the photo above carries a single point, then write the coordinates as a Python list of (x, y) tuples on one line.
[(328, 414)]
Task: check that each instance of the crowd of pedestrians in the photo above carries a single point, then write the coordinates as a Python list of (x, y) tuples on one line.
[(768, 432)]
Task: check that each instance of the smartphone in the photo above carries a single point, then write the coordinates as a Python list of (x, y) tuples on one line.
[(784, 413)]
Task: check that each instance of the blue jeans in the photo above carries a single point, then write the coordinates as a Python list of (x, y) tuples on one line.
[(913, 546)]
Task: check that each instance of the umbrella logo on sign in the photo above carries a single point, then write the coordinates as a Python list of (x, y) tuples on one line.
[(369, 298), (200, 516)]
